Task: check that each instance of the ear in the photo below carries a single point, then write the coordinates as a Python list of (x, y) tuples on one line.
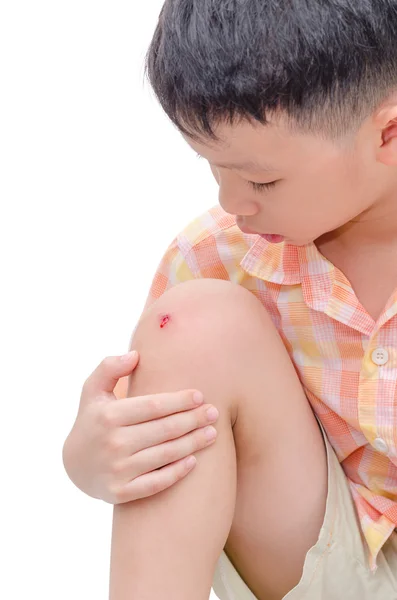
[(386, 123)]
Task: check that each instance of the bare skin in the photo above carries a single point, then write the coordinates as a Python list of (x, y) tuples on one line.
[(239, 496), (343, 197)]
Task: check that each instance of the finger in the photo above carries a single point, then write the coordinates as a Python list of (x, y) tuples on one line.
[(142, 436), (167, 453), (121, 389), (152, 483), (131, 411), (104, 378)]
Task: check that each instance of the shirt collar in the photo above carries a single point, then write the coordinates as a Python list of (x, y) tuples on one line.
[(324, 288), (284, 263)]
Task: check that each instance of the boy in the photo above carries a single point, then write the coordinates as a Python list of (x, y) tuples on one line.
[(287, 312)]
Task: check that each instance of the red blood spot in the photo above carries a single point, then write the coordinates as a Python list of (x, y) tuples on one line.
[(165, 320)]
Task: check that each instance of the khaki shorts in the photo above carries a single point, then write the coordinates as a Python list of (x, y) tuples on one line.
[(336, 568)]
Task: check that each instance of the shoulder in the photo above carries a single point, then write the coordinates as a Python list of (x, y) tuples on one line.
[(213, 238), (207, 224), (210, 246)]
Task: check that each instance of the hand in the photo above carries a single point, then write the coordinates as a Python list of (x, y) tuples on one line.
[(116, 445)]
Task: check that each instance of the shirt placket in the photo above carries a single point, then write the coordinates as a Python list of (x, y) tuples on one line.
[(330, 292), (377, 390)]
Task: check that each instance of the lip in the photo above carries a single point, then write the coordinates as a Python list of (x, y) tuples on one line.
[(267, 236), (272, 238)]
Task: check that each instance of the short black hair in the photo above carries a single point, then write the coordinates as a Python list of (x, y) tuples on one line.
[(326, 64)]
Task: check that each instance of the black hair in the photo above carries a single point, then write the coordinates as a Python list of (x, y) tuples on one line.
[(325, 64)]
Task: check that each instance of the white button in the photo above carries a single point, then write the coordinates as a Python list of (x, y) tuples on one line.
[(380, 356), (381, 446)]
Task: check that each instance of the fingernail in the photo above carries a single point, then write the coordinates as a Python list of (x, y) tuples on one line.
[(212, 413), (129, 356), (191, 461), (198, 398), (210, 433)]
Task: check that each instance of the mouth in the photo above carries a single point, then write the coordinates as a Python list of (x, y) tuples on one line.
[(272, 238), (269, 237)]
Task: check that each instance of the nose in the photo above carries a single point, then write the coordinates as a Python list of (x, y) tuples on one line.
[(234, 196)]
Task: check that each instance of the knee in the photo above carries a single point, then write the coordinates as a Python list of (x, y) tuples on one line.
[(206, 319), (201, 329), (218, 307)]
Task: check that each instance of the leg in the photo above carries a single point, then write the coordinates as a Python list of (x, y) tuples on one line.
[(221, 341)]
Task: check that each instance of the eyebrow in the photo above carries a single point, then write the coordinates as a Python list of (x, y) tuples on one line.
[(245, 166)]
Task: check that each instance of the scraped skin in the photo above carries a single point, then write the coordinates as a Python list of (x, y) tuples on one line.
[(164, 320)]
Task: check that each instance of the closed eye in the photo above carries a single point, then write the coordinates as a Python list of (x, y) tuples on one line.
[(260, 187)]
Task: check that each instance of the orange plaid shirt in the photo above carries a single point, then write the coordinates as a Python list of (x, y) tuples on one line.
[(346, 362)]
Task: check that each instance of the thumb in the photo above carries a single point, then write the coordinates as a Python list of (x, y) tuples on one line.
[(104, 379)]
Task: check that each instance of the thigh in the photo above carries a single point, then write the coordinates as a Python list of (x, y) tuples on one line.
[(337, 565), (281, 468)]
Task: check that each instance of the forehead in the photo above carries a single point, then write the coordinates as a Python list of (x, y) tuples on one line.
[(257, 147)]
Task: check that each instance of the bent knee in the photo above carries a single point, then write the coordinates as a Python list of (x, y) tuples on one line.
[(200, 322), (183, 340), (202, 334), (205, 309)]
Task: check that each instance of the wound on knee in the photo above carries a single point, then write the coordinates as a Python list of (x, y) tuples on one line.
[(164, 320)]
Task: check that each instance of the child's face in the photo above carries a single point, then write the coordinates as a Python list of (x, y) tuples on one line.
[(322, 185)]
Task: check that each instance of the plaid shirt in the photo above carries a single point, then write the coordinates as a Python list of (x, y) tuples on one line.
[(346, 362)]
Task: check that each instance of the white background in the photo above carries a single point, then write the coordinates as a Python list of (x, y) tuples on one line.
[(95, 183)]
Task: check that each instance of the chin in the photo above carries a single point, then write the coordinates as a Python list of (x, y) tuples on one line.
[(297, 242)]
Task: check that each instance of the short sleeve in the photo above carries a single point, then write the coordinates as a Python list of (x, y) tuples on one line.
[(172, 270)]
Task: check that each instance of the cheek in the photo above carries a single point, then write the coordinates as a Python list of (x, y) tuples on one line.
[(334, 185), (354, 189), (315, 205), (339, 196)]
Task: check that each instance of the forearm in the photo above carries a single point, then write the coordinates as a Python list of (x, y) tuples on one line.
[(167, 546)]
